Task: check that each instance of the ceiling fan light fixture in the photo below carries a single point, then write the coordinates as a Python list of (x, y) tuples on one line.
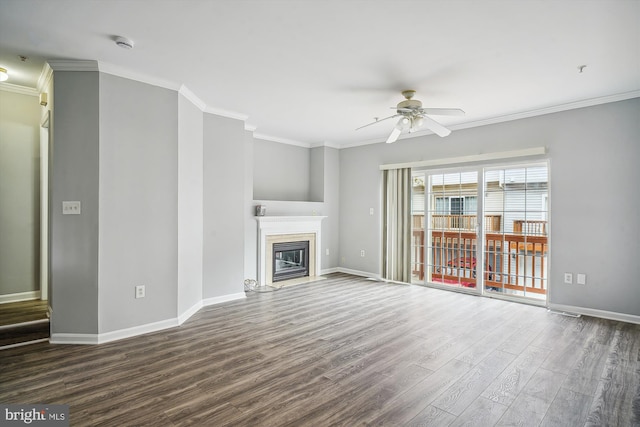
[(416, 123), (4, 75)]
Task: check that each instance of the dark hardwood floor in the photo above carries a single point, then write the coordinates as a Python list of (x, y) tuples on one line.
[(23, 311), (346, 351)]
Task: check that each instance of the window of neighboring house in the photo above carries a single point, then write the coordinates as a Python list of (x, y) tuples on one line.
[(454, 205)]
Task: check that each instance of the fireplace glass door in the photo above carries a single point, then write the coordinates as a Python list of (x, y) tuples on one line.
[(290, 260)]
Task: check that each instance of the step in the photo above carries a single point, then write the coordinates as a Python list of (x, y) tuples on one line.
[(24, 333)]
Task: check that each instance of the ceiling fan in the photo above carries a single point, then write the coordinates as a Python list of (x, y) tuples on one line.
[(413, 116)]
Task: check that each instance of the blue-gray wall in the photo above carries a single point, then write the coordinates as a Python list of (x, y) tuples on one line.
[(74, 177), (138, 203)]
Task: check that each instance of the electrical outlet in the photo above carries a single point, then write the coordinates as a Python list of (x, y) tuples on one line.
[(568, 278), (343, 260), (370, 211), (581, 279), (362, 253), (327, 251), (140, 291)]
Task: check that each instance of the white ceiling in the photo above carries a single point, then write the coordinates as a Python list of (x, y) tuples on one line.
[(311, 71)]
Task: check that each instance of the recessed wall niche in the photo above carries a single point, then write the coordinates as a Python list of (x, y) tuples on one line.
[(287, 172)]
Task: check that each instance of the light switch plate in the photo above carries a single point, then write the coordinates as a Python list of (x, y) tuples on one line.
[(71, 208)]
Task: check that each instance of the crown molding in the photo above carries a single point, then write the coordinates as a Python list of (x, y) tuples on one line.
[(72, 65), (45, 77), (249, 127), (115, 70), (281, 140), (226, 113), (22, 90), (548, 110), (192, 97)]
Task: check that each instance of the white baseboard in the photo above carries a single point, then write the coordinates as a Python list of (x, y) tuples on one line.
[(189, 312), (358, 273), (621, 317), (21, 296), (223, 298), (64, 338), (329, 271)]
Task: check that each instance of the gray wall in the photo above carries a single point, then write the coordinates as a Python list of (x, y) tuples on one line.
[(74, 177), (223, 204), (19, 193), (281, 171), (594, 201), (138, 202), (190, 215)]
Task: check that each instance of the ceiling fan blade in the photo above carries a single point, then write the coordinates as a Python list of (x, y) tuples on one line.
[(395, 134), (443, 111), (378, 121), (436, 127)]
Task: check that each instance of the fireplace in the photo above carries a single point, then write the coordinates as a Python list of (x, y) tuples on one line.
[(273, 230), (290, 260)]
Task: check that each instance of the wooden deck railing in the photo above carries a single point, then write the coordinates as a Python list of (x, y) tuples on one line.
[(458, 222), (512, 261)]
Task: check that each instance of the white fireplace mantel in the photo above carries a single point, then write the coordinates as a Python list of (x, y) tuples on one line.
[(280, 225)]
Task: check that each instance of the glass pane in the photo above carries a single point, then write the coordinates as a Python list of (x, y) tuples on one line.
[(451, 241), (516, 213)]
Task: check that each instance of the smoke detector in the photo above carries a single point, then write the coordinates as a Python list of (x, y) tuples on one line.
[(124, 42)]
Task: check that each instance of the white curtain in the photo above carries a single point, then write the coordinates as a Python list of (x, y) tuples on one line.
[(396, 234)]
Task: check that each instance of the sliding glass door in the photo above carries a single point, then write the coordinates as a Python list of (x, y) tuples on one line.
[(503, 255)]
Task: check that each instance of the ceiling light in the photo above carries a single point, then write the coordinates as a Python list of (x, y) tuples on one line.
[(4, 75), (416, 123), (124, 42)]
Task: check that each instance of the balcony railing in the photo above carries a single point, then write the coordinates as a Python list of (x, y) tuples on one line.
[(458, 222), (513, 261)]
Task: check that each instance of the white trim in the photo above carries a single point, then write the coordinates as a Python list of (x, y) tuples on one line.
[(45, 77), (118, 71), (226, 113), (22, 90), (224, 298), (20, 296), (279, 225), (137, 330), (64, 338), (548, 110), (359, 273), (281, 140), (329, 271), (73, 65), (190, 96), (189, 312), (249, 127), (483, 157), (74, 339), (611, 315)]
